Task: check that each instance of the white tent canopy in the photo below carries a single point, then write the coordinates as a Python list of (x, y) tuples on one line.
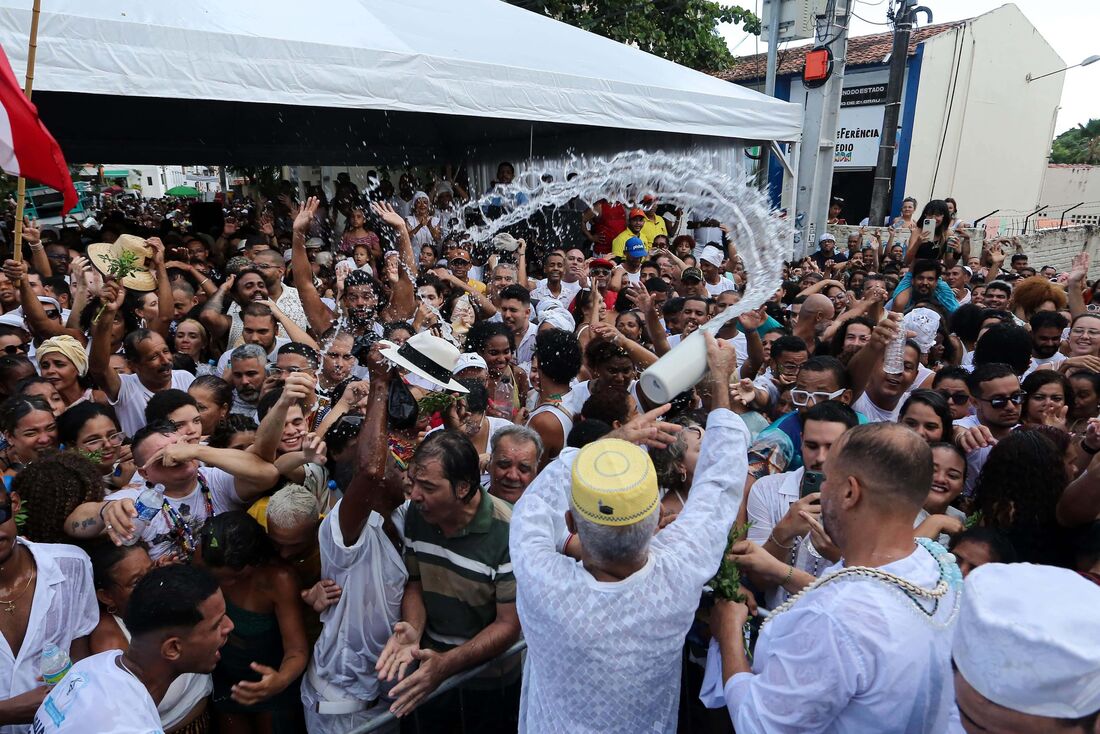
[(481, 58)]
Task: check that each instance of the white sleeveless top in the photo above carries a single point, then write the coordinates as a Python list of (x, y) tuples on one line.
[(182, 696), (563, 417)]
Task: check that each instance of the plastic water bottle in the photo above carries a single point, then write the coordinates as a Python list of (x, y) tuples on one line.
[(148, 504), (55, 664), (502, 397), (893, 362)]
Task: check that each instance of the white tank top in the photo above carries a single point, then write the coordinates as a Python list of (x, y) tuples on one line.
[(182, 696), (563, 417)]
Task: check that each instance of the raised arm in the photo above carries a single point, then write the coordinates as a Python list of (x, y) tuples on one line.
[(482, 302), (699, 533), (641, 356), (656, 329), (213, 314), (33, 238), (252, 475), (99, 358), (869, 358), (295, 332), (372, 452), (297, 387), (751, 321), (33, 312), (521, 264), (165, 312), (1079, 270), (319, 315), (404, 244)]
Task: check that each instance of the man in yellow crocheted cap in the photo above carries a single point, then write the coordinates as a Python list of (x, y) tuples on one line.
[(613, 505), (605, 637)]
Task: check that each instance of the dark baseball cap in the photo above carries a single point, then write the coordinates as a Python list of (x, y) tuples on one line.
[(691, 274)]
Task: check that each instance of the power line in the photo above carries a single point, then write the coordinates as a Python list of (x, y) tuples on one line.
[(872, 22)]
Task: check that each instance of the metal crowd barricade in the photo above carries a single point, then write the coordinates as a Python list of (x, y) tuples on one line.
[(388, 720)]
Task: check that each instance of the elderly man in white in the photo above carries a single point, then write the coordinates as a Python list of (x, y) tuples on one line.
[(605, 634), (867, 647)]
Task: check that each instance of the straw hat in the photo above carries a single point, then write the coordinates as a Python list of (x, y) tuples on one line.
[(428, 357), (614, 483), (102, 253)]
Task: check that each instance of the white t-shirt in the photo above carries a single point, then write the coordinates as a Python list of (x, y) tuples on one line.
[(133, 396), (542, 293), (723, 285), (159, 533), (874, 413), (98, 695), (64, 608), (372, 574), (1037, 362)]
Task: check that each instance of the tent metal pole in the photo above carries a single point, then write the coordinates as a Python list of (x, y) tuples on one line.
[(21, 186)]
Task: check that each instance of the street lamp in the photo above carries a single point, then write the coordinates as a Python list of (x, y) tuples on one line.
[(1090, 60)]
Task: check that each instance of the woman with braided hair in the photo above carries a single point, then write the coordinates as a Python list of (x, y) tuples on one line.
[(1018, 492), (52, 487)]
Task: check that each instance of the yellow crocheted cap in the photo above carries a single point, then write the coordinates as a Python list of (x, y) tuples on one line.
[(614, 483)]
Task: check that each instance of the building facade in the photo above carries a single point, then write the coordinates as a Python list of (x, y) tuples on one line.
[(971, 127)]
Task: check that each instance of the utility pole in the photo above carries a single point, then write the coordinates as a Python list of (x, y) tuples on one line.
[(899, 60), (764, 174), (821, 110)]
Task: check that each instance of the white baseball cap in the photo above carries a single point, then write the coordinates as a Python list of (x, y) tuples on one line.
[(826, 237), (466, 360)]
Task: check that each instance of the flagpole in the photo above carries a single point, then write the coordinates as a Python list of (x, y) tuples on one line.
[(21, 186)]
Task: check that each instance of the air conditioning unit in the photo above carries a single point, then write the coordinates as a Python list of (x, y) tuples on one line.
[(797, 18)]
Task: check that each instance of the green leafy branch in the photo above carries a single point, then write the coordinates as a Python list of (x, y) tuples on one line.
[(123, 266), (727, 582)]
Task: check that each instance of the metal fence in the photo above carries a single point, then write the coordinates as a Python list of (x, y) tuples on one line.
[(387, 721)]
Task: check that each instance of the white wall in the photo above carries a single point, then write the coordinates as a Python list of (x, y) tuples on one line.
[(1065, 186), (998, 126)]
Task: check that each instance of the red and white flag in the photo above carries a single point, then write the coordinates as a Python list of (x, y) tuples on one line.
[(26, 148)]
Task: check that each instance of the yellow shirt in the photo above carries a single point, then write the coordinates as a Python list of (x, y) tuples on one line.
[(652, 228), (618, 245)]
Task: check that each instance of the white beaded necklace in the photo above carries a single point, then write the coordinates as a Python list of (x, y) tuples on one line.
[(950, 577)]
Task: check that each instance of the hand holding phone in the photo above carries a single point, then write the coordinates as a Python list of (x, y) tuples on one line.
[(811, 482)]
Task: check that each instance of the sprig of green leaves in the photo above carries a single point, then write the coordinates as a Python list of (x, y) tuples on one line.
[(727, 582)]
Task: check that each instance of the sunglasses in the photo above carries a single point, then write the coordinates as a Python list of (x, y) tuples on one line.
[(5, 512), (52, 314), (802, 398), (17, 349), (997, 403), (958, 398), (459, 261)]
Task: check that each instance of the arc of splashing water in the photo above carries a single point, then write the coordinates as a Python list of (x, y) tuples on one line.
[(763, 241)]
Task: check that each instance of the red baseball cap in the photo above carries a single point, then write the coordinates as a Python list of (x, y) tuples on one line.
[(637, 213), (601, 262)]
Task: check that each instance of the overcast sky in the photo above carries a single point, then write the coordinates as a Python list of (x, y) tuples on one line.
[(1070, 26)]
